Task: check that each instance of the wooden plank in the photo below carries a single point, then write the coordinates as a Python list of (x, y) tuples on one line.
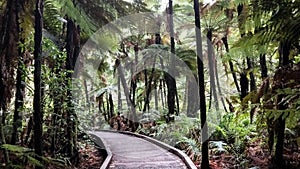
[(133, 151)]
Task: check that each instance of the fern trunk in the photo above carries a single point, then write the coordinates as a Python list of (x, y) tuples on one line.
[(170, 80), (204, 129), (37, 102)]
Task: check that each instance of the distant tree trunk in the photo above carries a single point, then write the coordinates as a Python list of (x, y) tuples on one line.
[(204, 129), (244, 84), (171, 83), (192, 95), (225, 41), (111, 105), (219, 87), (120, 96), (161, 89), (155, 95), (148, 84), (133, 116), (212, 62), (263, 66), (146, 100), (37, 114), (252, 78), (20, 82), (134, 82), (107, 107)]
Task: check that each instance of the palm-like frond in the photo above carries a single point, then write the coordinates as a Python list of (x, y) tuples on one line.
[(268, 24)]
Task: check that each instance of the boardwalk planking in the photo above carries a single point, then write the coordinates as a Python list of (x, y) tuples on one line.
[(131, 152)]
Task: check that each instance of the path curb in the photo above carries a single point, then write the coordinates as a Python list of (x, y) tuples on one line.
[(104, 146)]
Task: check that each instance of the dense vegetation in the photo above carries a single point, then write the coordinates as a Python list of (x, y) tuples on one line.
[(218, 79)]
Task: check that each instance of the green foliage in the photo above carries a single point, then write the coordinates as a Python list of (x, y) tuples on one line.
[(184, 130), (235, 129), (51, 17), (23, 154)]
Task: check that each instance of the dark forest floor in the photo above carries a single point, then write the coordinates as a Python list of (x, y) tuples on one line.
[(90, 157), (255, 156)]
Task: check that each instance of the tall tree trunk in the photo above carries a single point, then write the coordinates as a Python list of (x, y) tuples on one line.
[(72, 48), (133, 116), (8, 55), (148, 84), (279, 128), (37, 115), (204, 128), (171, 83), (20, 81), (134, 83), (242, 16)]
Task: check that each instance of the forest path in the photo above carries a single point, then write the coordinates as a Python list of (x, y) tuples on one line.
[(133, 151)]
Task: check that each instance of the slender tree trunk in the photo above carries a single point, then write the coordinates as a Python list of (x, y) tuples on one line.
[(204, 129), (161, 92), (225, 41), (87, 97), (171, 83), (72, 47), (244, 84), (219, 87), (242, 16), (192, 95), (111, 105), (252, 78), (108, 108), (37, 115), (148, 84), (146, 88), (126, 91), (212, 63), (134, 83), (155, 95), (284, 49), (120, 96)]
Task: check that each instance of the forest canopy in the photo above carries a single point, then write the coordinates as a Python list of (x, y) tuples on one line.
[(217, 79)]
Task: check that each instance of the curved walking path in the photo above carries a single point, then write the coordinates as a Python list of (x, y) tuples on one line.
[(127, 150)]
